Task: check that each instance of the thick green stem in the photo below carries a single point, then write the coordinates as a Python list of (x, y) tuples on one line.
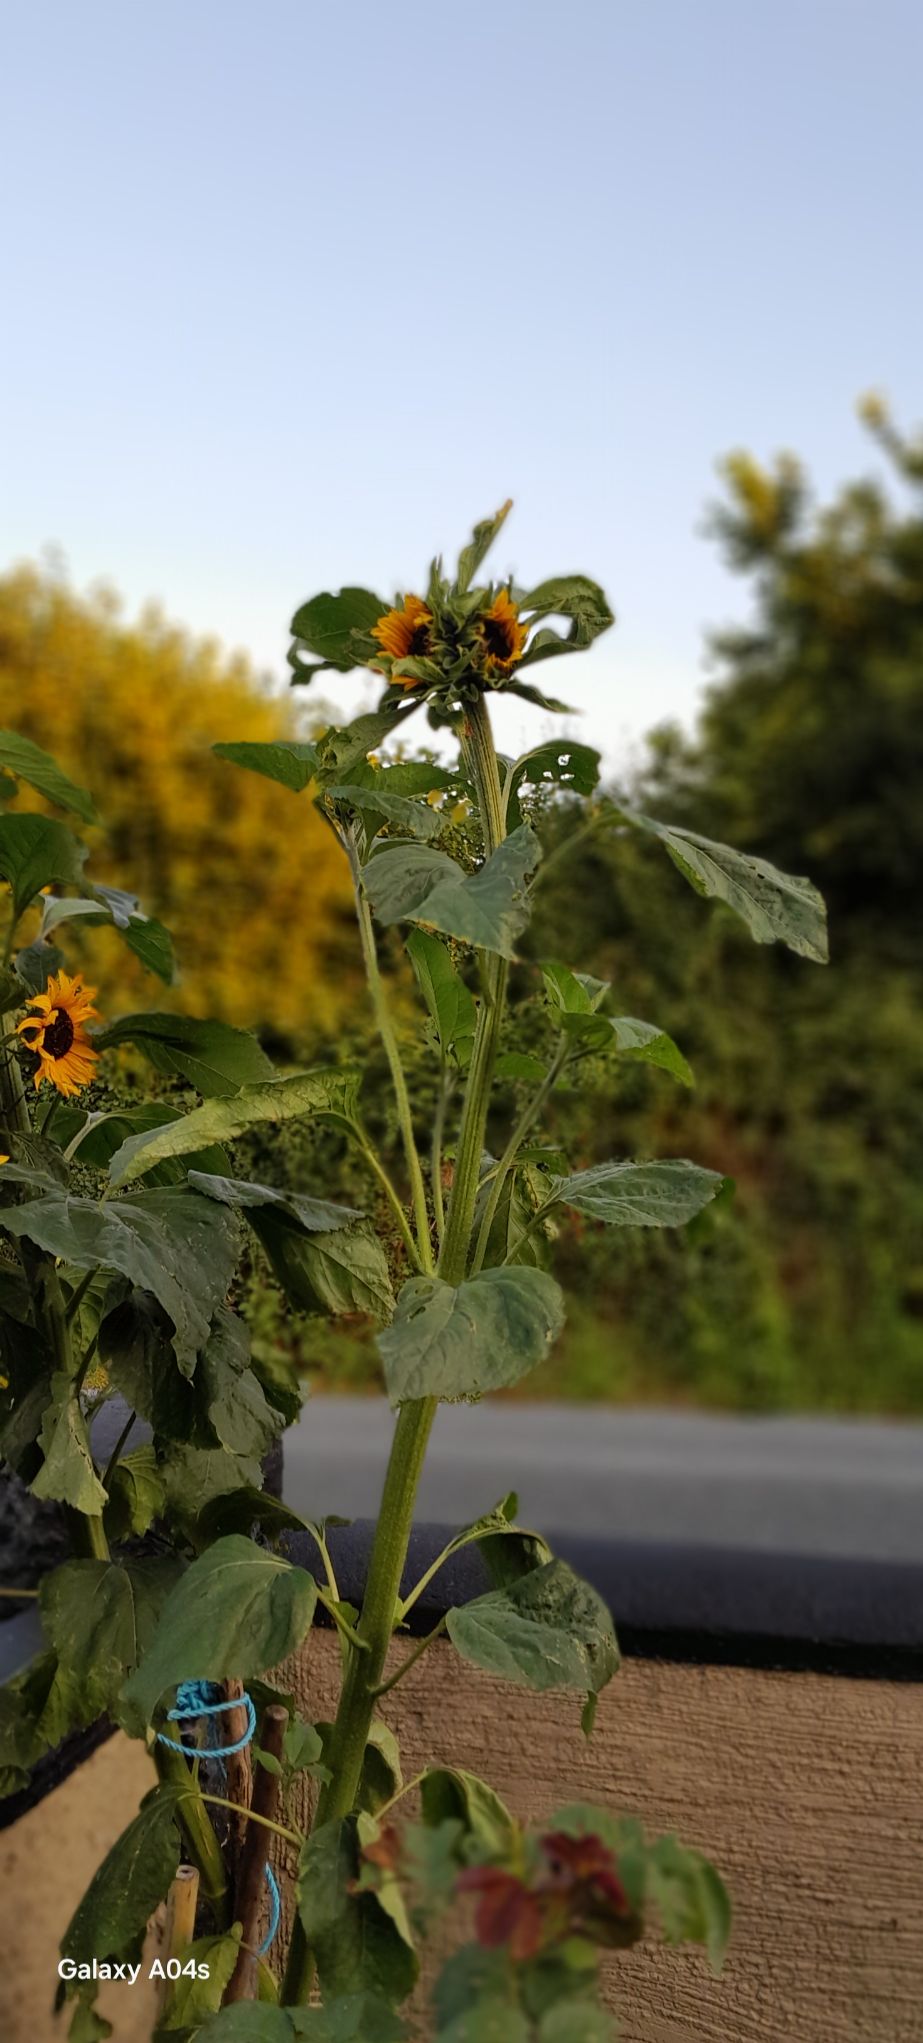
[(389, 1042), (364, 1670), (204, 1849)]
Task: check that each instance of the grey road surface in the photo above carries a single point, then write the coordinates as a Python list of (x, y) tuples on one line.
[(808, 1486)]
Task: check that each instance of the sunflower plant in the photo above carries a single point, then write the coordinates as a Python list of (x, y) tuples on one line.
[(466, 1304)]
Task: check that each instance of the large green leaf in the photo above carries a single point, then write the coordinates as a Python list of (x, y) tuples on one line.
[(777, 907), (307, 1095), (413, 883), (34, 1717), (101, 1135), (337, 1272), (450, 1005), (210, 1055), (112, 1918), (457, 1341), (666, 1194), (355, 1942), (37, 768), (306, 1215), (67, 1474), (37, 852), (548, 1630), (231, 1395), (136, 1494), (194, 1476), (292, 764), (100, 1617), (236, 1611), (327, 624), (173, 1243)]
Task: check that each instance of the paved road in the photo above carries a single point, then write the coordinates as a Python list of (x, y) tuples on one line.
[(815, 1486)]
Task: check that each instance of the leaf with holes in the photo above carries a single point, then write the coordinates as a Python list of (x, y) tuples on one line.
[(777, 907)]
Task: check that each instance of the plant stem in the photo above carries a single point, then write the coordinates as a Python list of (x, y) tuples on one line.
[(378, 1170), (442, 1100), (205, 1851), (389, 1042), (414, 1423), (411, 1659), (117, 1449), (527, 1119)]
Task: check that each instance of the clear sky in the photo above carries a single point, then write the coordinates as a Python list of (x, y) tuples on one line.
[(295, 292)]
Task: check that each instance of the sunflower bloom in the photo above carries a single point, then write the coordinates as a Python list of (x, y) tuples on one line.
[(405, 634), (502, 634), (54, 1032)]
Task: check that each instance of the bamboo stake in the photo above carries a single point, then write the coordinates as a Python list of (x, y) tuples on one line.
[(250, 1880), (179, 1925)]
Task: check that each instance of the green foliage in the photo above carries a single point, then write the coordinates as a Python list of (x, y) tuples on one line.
[(547, 1630), (236, 1611), (457, 1341), (134, 1876), (412, 883), (356, 1942)]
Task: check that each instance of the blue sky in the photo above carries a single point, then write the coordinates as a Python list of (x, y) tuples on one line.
[(297, 292)]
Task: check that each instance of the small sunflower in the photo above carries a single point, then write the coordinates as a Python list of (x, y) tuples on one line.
[(55, 1034), (405, 634), (502, 635)]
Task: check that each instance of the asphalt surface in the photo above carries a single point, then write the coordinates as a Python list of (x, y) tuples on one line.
[(799, 1486)]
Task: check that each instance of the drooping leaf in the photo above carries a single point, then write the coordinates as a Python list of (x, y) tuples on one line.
[(457, 1341), (292, 764), (100, 1617), (37, 852), (210, 1055), (414, 883), (236, 1611), (548, 1630), (173, 1243), (194, 1476), (663, 1194), (37, 768), (102, 1134), (571, 596), (298, 1209), (340, 1272), (134, 1876), (234, 1400), (450, 1005), (136, 1494), (306, 1095), (356, 1944), (378, 805), (35, 1714), (145, 936), (67, 1474), (777, 907)]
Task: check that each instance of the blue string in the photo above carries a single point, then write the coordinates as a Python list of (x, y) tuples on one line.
[(197, 1699)]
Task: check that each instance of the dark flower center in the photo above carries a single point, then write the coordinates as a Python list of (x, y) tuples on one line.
[(419, 642), (59, 1036), (498, 640)]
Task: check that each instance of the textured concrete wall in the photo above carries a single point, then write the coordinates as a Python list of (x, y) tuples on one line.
[(806, 1790)]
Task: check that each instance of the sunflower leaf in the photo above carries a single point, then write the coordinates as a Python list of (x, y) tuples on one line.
[(236, 1611), (662, 1194), (336, 1272), (212, 1056), (37, 852), (457, 1341), (306, 1095), (37, 768), (112, 1917), (292, 764), (575, 768), (67, 1474), (172, 1243), (776, 907), (479, 545), (450, 1005), (328, 625), (100, 1617), (149, 940), (414, 883), (548, 1630)]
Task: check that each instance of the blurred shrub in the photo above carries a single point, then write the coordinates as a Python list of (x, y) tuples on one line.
[(249, 880)]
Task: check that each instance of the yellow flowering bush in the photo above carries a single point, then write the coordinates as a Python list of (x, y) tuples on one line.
[(134, 708)]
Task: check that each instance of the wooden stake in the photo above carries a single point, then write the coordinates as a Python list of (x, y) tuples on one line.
[(179, 1926), (250, 1881), (239, 1772)]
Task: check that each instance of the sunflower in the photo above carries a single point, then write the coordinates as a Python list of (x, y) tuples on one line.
[(502, 635), (405, 634), (55, 1034)]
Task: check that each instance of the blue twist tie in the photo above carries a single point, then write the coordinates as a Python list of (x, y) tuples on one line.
[(197, 1699)]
